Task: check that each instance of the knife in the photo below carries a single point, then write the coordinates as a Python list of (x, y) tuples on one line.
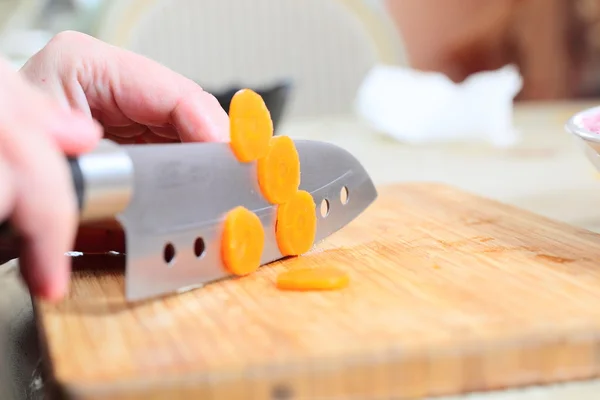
[(171, 199)]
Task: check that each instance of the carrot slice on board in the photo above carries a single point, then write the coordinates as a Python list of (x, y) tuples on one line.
[(321, 278), (296, 226), (242, 242), (250, 126), (279, 170)]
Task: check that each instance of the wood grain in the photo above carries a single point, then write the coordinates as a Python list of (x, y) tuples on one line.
[(450, 293)]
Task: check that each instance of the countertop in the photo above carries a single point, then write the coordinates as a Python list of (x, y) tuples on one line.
[(546, 173)]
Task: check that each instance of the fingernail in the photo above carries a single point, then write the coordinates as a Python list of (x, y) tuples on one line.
[(87, 123), (222, 129), (221, 120), (216, 120), (203, 112), (76, 133), (55, 288)]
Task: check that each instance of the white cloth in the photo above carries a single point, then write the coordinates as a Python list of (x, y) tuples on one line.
[(424, 107)]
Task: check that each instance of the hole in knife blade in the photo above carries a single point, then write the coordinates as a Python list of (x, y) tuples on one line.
[(344, 195), (199, 247), (169, 253), (324, 208)]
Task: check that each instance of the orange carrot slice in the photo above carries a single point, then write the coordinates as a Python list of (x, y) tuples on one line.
[(322, 278), (242, 242), (279, 170), (296, 224), (250, 126)]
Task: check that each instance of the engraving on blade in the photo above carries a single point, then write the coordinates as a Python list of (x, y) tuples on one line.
[(182, 192)]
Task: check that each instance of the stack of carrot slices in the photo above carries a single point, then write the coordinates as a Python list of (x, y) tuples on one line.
[(278, 174)]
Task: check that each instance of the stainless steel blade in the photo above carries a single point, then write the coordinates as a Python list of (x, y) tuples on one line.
[(182, 192)]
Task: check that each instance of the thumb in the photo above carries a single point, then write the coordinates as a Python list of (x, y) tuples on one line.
[(74, 132), (200, 117)]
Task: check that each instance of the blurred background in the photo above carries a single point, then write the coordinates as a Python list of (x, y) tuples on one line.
[(314, 61), (324, 48)]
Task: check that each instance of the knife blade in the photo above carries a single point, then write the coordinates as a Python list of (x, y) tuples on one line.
[(171, 199)]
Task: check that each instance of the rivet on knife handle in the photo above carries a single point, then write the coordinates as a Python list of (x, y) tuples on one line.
[(103, 184)]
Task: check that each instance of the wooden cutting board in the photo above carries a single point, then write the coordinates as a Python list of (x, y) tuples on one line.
[(450, 293)]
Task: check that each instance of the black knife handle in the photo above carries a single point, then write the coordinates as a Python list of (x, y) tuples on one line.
[(6, 229)]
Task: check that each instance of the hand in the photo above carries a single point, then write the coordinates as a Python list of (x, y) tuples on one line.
[(37, 194), (135, 99)]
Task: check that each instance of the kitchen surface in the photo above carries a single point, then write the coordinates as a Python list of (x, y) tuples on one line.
[(440, 281)]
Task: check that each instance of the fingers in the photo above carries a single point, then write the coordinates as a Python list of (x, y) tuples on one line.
[(7, 195), (122, 140), (73, 132), (139, 133), (168, 132), (8, 246), (151, 94), (44, 211), (198, 117), (129, 131), (121, 86), (37, 190)]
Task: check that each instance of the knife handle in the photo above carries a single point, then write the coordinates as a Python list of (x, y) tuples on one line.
[(6, 229), (102, 181)]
